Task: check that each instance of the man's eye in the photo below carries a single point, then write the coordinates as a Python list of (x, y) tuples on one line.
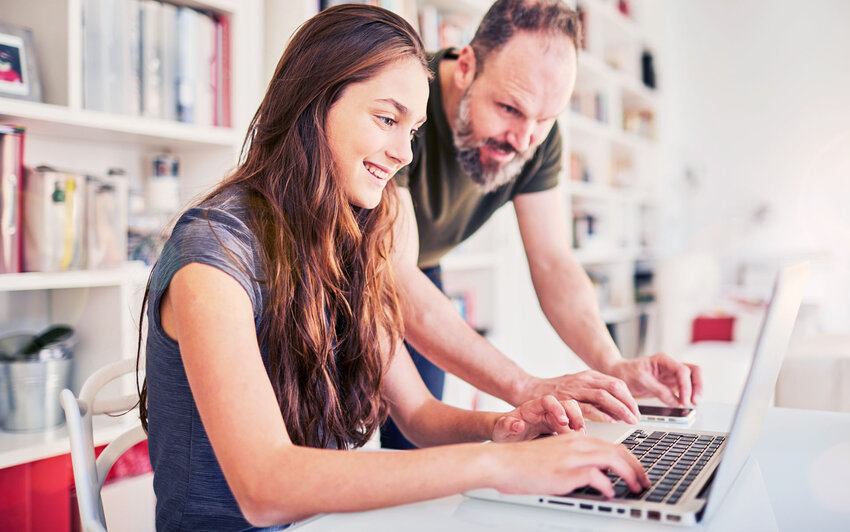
[(510, 110)]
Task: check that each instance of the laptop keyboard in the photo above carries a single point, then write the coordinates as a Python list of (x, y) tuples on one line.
[(672, 461)]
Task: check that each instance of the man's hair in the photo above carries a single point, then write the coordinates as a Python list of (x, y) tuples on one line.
[(507, 17)]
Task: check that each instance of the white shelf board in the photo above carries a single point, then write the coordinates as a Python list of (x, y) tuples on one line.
[(589, 126), (10, 282), (605, 255), (581, 189), (22, 447), (63, 122), (618, 314), (468, 261), (471, 7)]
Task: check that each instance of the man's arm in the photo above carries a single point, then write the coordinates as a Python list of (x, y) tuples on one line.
[(567, 299), (433, 327)]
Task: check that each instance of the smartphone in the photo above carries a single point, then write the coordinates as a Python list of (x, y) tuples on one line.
[(666, 414)]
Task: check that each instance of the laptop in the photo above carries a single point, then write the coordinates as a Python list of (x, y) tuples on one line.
[(692, 470)]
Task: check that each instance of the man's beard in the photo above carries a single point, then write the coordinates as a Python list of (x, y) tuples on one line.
[(490, 176)]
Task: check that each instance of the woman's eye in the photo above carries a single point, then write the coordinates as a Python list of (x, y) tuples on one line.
[(414, 133), (387, 121)]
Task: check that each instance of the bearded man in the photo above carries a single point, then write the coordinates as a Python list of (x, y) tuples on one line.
[(491, 137)]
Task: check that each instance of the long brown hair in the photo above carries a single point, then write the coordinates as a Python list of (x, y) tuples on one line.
[(331, 310)]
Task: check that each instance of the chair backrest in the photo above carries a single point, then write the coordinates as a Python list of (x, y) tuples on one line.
[(89, 473)]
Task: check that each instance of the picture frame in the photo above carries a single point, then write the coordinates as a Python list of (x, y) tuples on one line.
[(19, 76)]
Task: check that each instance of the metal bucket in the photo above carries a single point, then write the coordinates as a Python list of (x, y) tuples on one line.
[(30, 391), (33, 370)]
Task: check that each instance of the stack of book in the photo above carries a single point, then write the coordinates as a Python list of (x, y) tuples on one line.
[(158, 60)]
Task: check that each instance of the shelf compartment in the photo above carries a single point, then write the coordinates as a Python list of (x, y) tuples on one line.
[(468, 261), (11, 282), (62, 122), (22, 447), (605, 255)]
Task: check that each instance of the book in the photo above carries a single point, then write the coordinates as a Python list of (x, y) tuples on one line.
[(152, 59), (205, 58), (187, 63), (168, 45), (132, 60), (225, 73)]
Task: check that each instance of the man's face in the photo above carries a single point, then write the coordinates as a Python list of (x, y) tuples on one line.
[(510, 106)]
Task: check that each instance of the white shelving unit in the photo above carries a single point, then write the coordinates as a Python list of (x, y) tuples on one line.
[(103, 305), (610, 190)]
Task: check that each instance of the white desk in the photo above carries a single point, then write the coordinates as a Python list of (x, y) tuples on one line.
[(797, 480)]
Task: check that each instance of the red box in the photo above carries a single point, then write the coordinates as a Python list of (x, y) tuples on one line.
[(713, 328)]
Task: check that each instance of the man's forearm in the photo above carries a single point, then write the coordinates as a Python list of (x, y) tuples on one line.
[(567, 299), (435, 329)]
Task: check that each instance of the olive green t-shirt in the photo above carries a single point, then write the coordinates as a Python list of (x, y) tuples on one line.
[(449, 206)]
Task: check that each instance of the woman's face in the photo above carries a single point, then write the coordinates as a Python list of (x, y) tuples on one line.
[(370, 128)]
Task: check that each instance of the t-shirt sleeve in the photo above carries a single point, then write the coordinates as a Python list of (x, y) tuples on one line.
[(548, 164), (214, 237)]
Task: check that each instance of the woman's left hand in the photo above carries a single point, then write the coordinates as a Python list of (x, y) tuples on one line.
[(539, 416)]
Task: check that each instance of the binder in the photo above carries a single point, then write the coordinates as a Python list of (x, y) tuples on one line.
[(11, 198)]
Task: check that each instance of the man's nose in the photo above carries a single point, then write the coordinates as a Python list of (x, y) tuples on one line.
[(520, 135)]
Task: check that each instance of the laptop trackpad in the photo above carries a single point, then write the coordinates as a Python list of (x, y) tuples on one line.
[(608, 431)]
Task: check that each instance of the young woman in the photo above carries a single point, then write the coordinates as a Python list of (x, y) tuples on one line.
[(274, 330)]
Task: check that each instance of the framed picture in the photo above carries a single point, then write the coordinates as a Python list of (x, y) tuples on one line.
[(18, 71)]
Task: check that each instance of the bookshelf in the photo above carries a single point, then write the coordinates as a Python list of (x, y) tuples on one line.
[(62, 131), (610, 134)]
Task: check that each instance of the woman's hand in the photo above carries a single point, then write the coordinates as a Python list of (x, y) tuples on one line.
[(564, 463), (539, 416)]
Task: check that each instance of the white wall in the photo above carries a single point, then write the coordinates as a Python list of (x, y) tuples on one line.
[(758, 111)]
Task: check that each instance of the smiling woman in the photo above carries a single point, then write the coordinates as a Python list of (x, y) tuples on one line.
[(386, 111), (274, 327)]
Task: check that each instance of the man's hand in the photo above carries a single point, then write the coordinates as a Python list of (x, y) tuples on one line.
[(600, 397), (674, 383), (545, 415)]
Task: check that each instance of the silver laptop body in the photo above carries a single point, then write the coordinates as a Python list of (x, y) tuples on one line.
[(692, 470)]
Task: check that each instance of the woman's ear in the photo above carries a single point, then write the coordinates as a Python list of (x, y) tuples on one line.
[(465, 71)]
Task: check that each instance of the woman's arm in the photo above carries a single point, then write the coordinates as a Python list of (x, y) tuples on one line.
[(274, 481)]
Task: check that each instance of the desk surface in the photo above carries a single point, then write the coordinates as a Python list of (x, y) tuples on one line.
[(797, 480)]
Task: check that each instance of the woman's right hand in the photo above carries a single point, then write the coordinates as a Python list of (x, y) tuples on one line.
[(557, 465)]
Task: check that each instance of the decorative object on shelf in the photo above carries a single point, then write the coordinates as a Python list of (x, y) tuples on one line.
[(163, 189), (54, 220), (18, 67), (33, 370), (106, 221), (639, 121), (11, 198), (578, 168), (647, 69)]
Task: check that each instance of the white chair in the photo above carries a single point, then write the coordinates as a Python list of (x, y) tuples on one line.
[(89, 473)]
